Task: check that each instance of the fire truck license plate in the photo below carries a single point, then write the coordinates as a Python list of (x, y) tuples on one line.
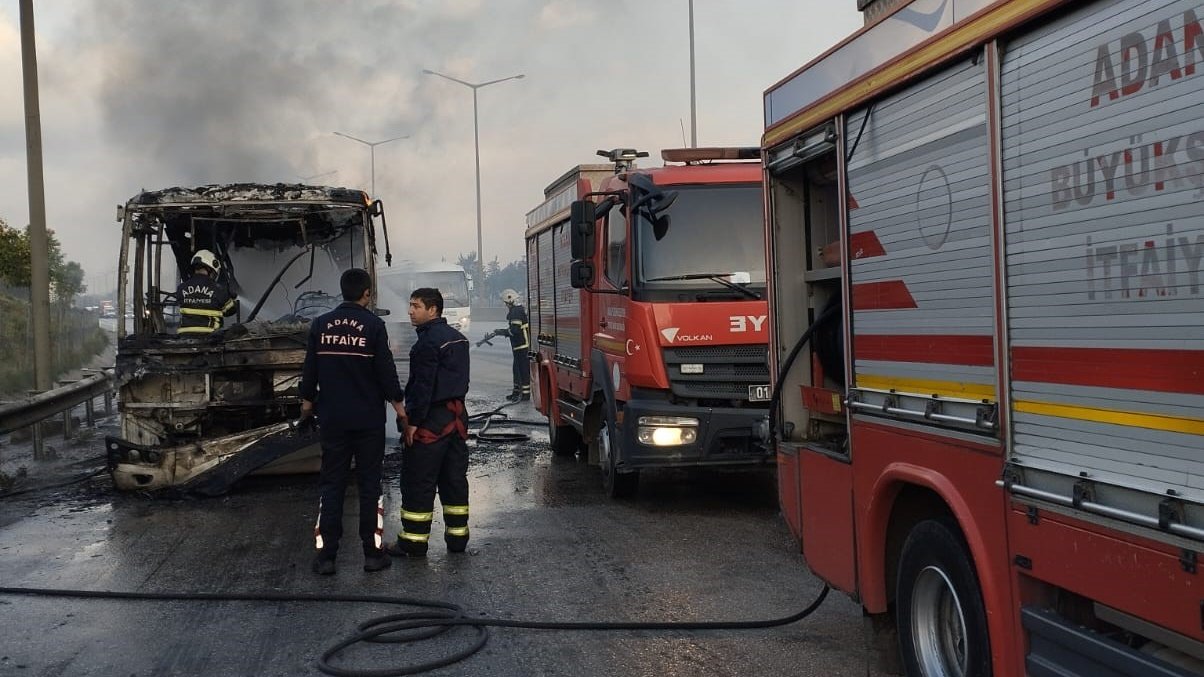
[(759, 393)]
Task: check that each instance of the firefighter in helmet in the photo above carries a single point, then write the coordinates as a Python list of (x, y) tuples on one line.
[(518, 329), (203, 299)]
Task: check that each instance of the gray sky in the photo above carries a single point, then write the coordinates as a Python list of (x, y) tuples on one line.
[(151, 94)]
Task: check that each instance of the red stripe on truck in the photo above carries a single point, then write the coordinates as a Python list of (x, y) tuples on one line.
[(971, 351), (865, 245), (1165, 371), (889, 295), (861, 246)]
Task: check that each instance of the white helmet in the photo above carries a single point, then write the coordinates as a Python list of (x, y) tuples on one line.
[(511, 298), (204, 257)]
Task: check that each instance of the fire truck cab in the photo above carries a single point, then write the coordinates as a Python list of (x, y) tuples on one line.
[(648, 312)]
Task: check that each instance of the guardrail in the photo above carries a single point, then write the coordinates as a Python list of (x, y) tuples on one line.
[(38, 407)]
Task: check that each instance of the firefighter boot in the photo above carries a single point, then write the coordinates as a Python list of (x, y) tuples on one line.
[(376, 560), (406, 548), (515, 396), (457, 544), (323, 564)]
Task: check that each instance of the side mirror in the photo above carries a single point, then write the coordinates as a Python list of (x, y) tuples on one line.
[(660, 227), (581, 274), (582, 218), (382, 312)]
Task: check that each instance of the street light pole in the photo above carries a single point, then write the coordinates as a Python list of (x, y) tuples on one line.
[(476, 147), (476, 144), (372, 147), (693, 99)]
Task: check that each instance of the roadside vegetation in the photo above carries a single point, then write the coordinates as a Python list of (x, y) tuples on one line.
[(74, 333), (497, 277)]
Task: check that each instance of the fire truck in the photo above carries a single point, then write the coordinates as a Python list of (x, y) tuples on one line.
[(985, 235), (650, 337)]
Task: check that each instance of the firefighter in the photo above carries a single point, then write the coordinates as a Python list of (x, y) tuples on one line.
[(203, 300), (436, 434), (519, 331), (350, 372)]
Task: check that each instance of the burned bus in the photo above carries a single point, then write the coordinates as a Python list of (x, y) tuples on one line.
[(200, 411)]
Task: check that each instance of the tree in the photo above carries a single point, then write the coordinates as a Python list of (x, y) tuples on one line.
[(495, 278), (468, 262), (14, 256), (512, 276), (66, 277), (68, 281)]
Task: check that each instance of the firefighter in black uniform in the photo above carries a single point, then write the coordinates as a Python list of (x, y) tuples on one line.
[(436, 453), (518, 329), (350, 372), (203, 300)]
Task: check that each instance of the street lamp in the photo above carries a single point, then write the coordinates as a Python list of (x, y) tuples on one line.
[(372, 146), (693, 99), (476, 139)]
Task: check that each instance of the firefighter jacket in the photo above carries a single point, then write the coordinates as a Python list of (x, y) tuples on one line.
[(519, 328), (349, 371), (203, 303), (438, 374)]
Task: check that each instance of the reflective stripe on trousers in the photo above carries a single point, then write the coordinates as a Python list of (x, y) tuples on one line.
[(440, 465)]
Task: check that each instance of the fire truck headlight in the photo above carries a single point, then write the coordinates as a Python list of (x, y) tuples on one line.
[(667, 431)]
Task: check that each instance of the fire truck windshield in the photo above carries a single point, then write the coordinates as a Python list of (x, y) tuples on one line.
[(714, 228)]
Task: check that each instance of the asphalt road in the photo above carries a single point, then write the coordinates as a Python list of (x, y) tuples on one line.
[(546, 544)]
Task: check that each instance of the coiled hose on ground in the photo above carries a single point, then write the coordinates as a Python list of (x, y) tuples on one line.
[(433, 618)]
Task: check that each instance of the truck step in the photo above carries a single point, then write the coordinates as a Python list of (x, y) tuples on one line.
[(573, 412)]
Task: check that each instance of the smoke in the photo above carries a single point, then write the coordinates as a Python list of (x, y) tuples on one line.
[(216, 91), (153, 93)]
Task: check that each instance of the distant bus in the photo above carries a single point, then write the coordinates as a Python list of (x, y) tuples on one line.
[(395, 284)]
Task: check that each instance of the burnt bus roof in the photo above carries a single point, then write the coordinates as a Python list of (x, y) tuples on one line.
[(249, 192)]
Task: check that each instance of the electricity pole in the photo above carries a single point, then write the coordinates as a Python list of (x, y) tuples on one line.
[(39, 245)]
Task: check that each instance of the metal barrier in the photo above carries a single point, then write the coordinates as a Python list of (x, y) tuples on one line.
[(39, 407)]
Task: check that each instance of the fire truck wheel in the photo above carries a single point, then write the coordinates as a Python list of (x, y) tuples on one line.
[(565, 439), (941, 617), (616, 484)]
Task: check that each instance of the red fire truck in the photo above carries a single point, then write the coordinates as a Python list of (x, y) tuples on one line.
[(985, 217), (651, 337)]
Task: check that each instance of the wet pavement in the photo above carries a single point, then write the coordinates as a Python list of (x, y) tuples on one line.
[(546, 543)]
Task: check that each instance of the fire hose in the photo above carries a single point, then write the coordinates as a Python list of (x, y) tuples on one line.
[(433, 618), (498, 417)]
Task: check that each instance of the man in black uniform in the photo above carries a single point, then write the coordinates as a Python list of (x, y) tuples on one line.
[(518, 329), (436, 453), (203, 300), (348, 364)]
